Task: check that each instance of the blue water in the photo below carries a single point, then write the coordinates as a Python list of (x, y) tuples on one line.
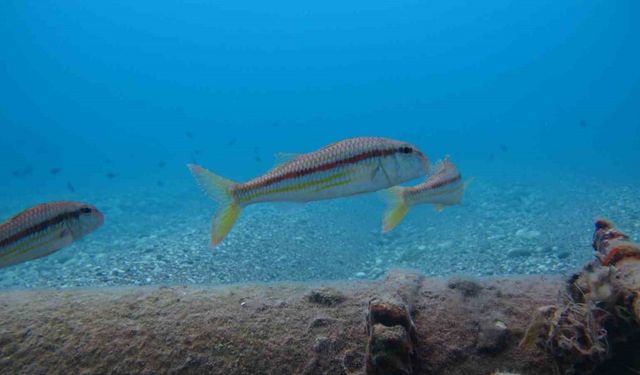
[(539, 100)]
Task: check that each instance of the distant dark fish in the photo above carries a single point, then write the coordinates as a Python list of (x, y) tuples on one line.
[(231, 142), (44, 229), (257, 158), (189, 135), (583, 124), (111, 175), (70, 187), (162, 164), (160, 183), (22, 172), (55, 171), (197, 152), (504, 148)]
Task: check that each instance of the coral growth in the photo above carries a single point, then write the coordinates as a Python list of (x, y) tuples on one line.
[(598, 311)]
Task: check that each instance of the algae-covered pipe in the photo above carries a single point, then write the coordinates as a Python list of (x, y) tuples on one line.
[(404, 324)]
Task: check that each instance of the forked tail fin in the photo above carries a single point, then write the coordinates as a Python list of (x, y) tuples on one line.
[(220, 190), (397, 208)]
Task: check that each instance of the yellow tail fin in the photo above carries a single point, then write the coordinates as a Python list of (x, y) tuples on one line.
[(220, 190), (397, 209)]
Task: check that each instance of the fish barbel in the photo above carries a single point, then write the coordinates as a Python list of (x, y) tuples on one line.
[(349, 167), (44, 229), (443, 188)]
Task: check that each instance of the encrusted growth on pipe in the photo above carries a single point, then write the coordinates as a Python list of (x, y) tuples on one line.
[(392, 339), (599, 313)]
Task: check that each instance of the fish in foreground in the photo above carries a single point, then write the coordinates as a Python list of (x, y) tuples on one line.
[(444, 188), (44, 229), (349, 167)]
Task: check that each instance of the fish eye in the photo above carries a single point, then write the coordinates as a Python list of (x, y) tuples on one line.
[(85, 210), (406, 150)]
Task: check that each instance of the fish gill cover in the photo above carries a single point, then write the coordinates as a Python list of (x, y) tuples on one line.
[(106, 102)]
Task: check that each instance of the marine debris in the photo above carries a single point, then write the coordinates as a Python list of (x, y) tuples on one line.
[(597, 314)]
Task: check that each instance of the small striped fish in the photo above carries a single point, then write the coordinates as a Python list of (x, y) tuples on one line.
[(444, 188), (44, 229), (353, 166)]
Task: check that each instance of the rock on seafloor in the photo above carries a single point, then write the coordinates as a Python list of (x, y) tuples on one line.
[(270, 328)]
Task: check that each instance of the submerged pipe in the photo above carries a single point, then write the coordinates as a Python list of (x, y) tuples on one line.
[(444, 327), (405, 324)]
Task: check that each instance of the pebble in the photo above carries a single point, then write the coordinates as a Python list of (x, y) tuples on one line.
[(528, 234), (445, 244)]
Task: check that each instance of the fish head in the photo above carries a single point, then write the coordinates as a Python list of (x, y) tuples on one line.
[(407, 163), (89, 219)]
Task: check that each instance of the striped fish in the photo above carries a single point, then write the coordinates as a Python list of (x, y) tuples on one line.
[(353, 166), (44, 229), (444, 188)]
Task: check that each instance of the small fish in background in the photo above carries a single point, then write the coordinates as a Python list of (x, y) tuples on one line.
[(444, 188), (23, 172), (583, 124), (504, 147), (44, 229), (346, 168), (189, 134), (256, 154), (70, 187), (160, 183), (161, 164), (231, 142), (111, 175), (55, 171)]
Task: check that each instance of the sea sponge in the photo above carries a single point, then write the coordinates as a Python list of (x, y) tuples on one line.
[(573, 333)]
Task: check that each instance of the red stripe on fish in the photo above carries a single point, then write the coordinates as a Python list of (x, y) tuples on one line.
[(323, 167)]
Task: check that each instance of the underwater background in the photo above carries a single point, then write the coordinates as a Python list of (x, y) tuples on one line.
[(106, 102)]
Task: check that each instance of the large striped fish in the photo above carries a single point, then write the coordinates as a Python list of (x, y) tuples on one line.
[(444, 188), (353, 166), (44, 229)]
